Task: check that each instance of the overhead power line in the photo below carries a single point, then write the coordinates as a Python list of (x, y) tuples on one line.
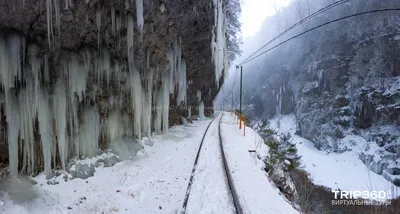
[(314, 28), (297, 24)]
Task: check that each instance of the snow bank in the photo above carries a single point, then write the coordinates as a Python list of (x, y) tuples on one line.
[(154, 182), (256, 193), (337, 171)]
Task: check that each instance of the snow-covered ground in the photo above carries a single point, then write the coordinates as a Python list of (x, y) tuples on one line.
[(256, 194), (337, 171), (210, 191), (155, 181)]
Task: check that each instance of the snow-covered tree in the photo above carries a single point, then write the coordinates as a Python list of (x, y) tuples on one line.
[(233, 11)]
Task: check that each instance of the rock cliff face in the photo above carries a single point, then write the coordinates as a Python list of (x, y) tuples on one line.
[(77, 75), (345, 93), (353, 94), (340, 80)]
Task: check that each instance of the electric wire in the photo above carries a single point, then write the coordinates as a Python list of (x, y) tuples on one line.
[(330, 6), (319, 26)]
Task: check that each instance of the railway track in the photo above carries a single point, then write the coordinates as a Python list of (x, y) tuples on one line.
[(204, 150)]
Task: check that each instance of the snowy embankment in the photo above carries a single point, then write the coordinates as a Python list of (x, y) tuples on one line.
[(343, 171), (256, 193), (153, 182), (210, 191)]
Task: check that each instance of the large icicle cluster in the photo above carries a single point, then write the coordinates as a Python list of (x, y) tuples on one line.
[(177, 72), (219, 49), (65, 114), (174, 81), (52, 106)]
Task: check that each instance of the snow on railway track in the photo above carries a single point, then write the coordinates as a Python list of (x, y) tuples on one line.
[(210, 188)]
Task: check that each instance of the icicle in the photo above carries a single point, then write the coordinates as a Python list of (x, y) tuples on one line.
[(159, 110), (103, 65), (46, 131), (60, 116), (136, 93), (35, 68), (178, 65), (218, 48), (198, 95), (127, 5), (58, 16), (11, 53), (149, 102), (113, 19), (46, 70), (171, 60), (76, 73), (139, 14), (71, 3), (28, 102), (165, 102), (201, 109), (130, 27), (134, 81), (90, 132), (114, 126), (74, 129), (148, 59), (182, 83), (98, 23), (147, 105), (162, 7), (12, 118), (118, 27), (49, 21)]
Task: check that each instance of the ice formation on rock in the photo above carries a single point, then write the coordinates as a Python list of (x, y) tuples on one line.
[(11, 111), (60, 117), (201, 110), (52, 108), (139, 14), (219, 49)]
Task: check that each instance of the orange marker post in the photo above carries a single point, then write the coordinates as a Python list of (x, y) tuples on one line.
[(244, 127), (240, 124)]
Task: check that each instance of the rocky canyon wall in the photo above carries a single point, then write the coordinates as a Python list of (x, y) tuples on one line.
[(77, 75)]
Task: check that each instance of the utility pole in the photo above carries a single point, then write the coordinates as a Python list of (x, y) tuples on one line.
[(240, 101), (241, 78)]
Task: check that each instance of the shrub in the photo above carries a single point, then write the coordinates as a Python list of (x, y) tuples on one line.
[(279, 149)]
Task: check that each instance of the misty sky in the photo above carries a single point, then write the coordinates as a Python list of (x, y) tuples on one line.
[(254, 12)]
